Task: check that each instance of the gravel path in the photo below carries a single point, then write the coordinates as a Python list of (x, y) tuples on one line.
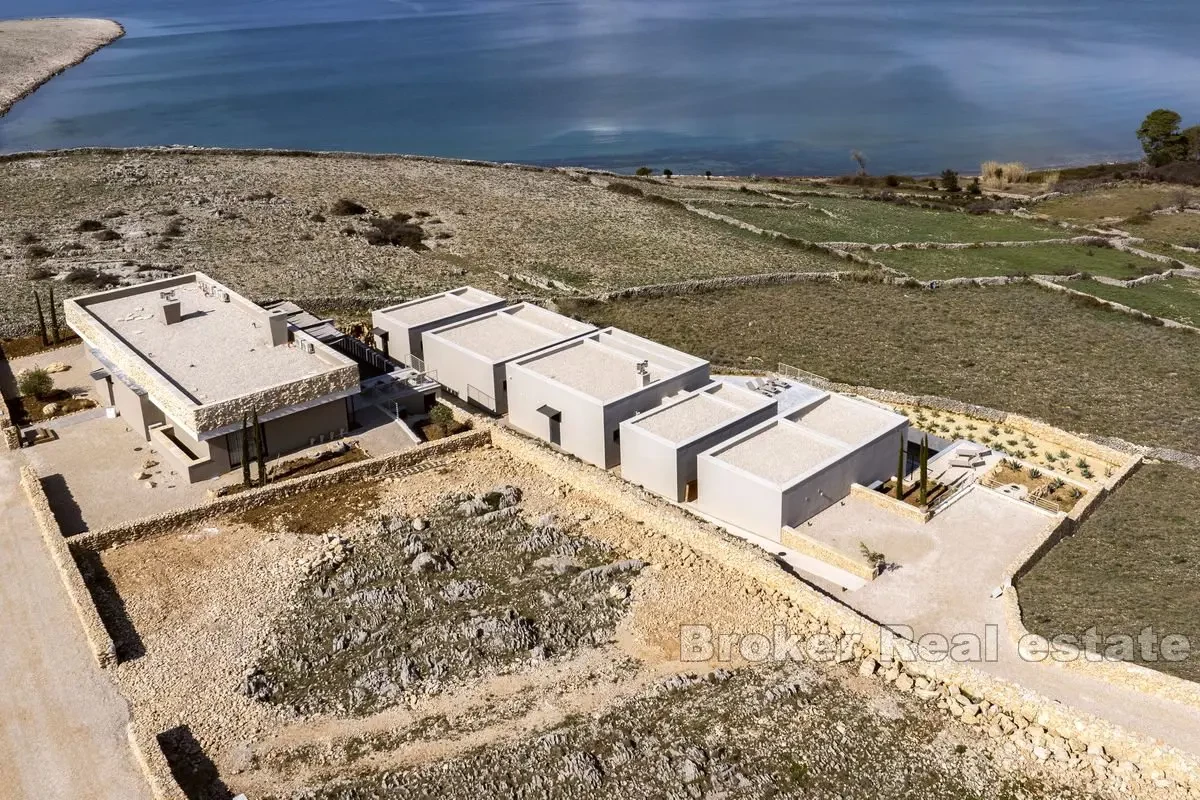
[(62, 723), (32, 51)]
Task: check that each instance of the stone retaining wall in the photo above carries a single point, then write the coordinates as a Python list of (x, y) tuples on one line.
[(889, 503), (162, 524), (101, 644), (1133, 312), (841, 621), (802, 543)]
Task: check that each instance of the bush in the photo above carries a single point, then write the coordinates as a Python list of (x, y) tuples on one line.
[(38, 273), (80, 275), (624, 188), (643, 171), (441, 415), (35, 382), (950, 181), (394, 232), (316, 217), (106, 235), (174, 229), (37, 252), (26, 237), (891, 181), (89, 225), (112, 213), (668, 173), (346, 208)]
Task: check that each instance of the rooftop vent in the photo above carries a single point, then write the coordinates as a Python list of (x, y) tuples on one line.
[(224, 296), (643, 371), (278, 323), (170, 312)]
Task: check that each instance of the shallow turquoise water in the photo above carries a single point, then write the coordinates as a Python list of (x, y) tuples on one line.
[(749, 86)]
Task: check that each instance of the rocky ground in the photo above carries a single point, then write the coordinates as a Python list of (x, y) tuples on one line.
[(34, 50), (517, 638), (273, 226)]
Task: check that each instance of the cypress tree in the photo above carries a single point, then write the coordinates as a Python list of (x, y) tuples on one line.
[(245, 452), (925, 469), (900, 470), (53, 316), (260, 448), (37, 301)]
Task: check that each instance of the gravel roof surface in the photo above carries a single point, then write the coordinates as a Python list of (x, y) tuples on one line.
[(780, 453), (439, 306), (216, 351), (683, 420), (508, 334), (851, 421)]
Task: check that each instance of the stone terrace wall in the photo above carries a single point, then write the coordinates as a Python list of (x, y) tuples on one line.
[(162, 524), (98, 639), (842, 621)]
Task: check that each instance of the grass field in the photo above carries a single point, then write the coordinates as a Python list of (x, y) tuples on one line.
[(1018, 347), (834, 219), (1132, 565), (1036, 260), (1174, 298), (1109, 204), (1174, 228)]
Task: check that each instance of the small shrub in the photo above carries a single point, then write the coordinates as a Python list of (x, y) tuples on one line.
[(1056, 484), (106, 235), (316, 216), (891, 181), (950, 181), (643, 171), (625, 188), (26, 237), (89, 225), (112, 213), (39, 273), (36, 252), (667, 173), (346, 208), (173, 230), (80, 275), (1035, 473), (35, 382), (441, 415), (389, 231), (363, 285), (1082, 463)]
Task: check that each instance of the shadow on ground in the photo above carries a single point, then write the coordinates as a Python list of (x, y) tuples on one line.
[(66, 511), (110, 605), (191, 767)]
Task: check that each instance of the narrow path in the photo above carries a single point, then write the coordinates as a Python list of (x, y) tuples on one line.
[(62, 723)]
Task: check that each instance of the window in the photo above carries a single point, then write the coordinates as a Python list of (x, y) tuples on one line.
[(616, 434)]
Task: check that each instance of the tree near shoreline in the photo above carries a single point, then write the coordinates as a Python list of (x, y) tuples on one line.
[(1161, 138)]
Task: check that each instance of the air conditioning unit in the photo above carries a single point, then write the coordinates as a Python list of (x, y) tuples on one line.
[(224, 297)]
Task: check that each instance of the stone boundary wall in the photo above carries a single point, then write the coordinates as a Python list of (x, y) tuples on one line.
[(889, 504), (1119, 673), (162, 524), (155, 768), (1095, 241), (10, 435), (803, 543), (1133, 312), (840, 621), (101, 644)]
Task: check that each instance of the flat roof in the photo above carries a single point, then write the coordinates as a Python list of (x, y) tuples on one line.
[(216, 351), (690, 417), (439, 306), (512, 332), (854, 422), (780, 452), (604, 365)]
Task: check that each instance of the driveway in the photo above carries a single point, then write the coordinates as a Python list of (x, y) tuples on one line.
[(62, 722)]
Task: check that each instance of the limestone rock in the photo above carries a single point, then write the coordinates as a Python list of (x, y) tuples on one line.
[(57, 366)]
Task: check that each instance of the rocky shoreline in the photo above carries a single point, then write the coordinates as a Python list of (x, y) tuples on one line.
[(32, 51)]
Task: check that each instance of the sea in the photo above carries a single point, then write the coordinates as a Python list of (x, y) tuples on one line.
[(729, 86)]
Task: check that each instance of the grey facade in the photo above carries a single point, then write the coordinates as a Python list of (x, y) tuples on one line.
[(576, 395), (183, 360), (790, 468), (398, 329), (659, 447), (469, 359)]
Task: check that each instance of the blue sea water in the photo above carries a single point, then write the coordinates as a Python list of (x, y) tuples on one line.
[(735, 86)]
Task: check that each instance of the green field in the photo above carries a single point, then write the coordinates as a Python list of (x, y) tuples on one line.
[(835, 219), (1132, 565), (1018, 347), (1107, 204), (1036, 260), (1174, 298)]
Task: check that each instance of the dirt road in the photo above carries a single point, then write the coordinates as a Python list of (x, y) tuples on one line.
[(62, 723)]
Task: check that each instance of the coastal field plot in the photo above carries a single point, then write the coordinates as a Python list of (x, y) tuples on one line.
[(1016, 347), (1109, 204), (1050, 259), (1173, 298), (1132, 565), (302, 226), (833, 219)]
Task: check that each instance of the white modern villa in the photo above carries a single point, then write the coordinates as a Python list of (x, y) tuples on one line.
[(398, 329)]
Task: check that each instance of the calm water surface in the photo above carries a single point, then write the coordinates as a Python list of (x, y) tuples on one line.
[(734, 86)]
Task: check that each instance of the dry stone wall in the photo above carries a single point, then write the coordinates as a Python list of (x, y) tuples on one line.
[(101, 644), (964, 689)]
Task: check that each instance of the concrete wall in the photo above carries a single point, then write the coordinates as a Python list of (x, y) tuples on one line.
[(733, 496), (831, 482), (582, 427), (650, 461), (458, 369), (687, 455), (644, 399), (293, 432), (406, 341)]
